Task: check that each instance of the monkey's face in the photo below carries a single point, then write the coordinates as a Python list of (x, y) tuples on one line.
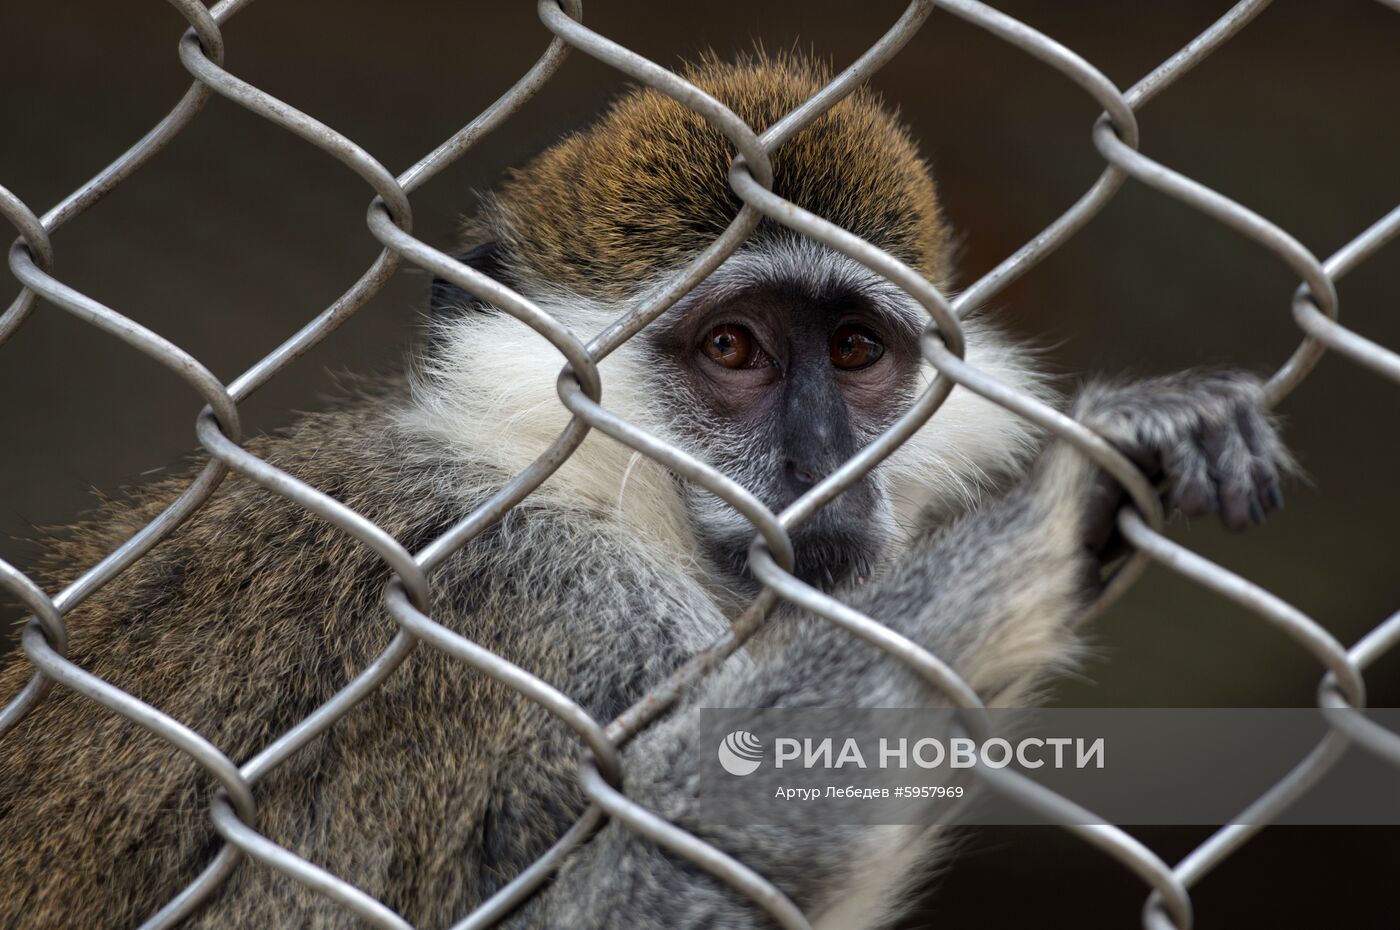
[(786, 369)]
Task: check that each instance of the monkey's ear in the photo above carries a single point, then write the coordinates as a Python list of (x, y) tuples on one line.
[(448, 300)]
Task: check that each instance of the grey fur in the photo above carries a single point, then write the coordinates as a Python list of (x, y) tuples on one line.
[(444, 784)]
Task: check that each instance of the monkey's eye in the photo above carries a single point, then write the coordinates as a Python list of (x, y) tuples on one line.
[(855, 347), (734, 346)]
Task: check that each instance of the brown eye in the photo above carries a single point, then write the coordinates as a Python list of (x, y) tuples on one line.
[(734, 346), (855, 347)]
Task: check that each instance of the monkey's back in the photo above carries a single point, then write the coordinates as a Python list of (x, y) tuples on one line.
[(441, 785)]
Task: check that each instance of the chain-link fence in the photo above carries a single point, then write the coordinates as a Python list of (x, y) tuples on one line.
[(1115, 135)]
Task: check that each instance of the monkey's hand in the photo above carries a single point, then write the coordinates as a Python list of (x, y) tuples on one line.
[(1204, 438)]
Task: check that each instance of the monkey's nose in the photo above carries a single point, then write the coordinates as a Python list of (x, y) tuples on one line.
[(800, 475)]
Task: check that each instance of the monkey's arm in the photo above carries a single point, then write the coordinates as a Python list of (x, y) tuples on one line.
[(993, 595)]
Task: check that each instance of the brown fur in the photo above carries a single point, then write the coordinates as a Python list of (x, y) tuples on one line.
[(246, 619), (644, 189)]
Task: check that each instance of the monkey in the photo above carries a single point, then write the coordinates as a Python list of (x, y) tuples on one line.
[(979, 539)]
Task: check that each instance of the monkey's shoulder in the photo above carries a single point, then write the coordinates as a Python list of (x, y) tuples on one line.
[(254, 579)]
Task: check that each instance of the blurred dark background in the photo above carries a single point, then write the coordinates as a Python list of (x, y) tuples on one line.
[(238, 233)]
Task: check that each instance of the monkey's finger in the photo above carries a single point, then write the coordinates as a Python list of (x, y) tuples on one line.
[(1190, 489), (1230, 464), (1266, 455)]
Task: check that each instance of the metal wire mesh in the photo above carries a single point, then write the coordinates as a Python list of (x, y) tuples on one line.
[(1115, 135)]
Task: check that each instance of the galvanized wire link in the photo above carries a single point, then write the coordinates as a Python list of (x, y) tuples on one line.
[(1115, 136)]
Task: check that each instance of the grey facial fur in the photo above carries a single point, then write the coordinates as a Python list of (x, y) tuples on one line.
[(810, 424)]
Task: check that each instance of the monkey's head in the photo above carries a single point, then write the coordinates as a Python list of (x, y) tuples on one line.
[(787, 359)]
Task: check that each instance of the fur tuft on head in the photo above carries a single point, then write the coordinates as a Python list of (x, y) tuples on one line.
[(645, 188)]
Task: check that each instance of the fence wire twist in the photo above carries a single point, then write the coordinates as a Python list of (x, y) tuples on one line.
[(390, 218)]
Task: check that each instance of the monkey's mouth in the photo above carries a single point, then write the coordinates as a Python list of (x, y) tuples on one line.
[(830, 551), (830, 557)]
